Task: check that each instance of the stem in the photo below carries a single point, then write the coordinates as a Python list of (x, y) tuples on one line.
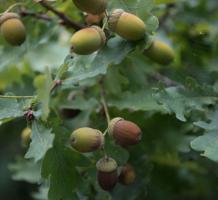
[(66, 20), (103, 101), (12, 6), (105, 132), (16, 97)]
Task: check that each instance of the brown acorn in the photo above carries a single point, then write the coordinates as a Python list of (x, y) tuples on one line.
[(124, 132), (87, 139), (126, 25), (91, 6), (12, 29), (107, 173), (127, 175), (88, 40)]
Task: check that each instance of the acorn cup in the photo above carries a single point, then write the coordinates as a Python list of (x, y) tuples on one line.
[(107, 173), (127, 175), (86, 140), (12, 29), (124, 132), (26, 136), (91, 6), (126, 25), (160, 52), (88, 40)]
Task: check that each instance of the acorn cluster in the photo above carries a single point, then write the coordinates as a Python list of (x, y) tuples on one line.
[(124, 24), (124, 133)]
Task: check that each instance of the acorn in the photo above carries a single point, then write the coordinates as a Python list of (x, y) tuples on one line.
[(91, 6), (126, 25), (124, 132), (127, 175), (91, 19), (160, 52), (88, 40), (87, 139), (107, 173), (12, 29), (26, 136)]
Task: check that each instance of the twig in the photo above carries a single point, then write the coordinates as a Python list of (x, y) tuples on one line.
[(25, 13), (168, 82), (66, 20), (165, 16), (103, 101), (16, 97)]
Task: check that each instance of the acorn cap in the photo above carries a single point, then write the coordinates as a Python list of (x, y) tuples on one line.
[(101, 33), (112, 124), (106, 164), (114, 18), (7, 16)]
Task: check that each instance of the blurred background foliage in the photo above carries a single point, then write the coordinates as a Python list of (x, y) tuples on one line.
[(174, 105)]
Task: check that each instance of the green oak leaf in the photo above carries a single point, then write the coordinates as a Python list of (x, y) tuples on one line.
[(41, 141)]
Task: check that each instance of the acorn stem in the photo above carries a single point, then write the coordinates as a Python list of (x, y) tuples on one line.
[(105, 132), (103, 101), (16, 97)]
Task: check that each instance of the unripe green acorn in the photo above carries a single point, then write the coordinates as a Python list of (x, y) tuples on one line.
[(12, 29), (107, 173), (26, 136), (124, 132), (91, 6), (127, 175), (160, 52), (126, 25), (87, 139), (88, 40)]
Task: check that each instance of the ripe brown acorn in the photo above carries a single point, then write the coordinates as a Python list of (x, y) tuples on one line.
[(12, 29), (127, 175), (126, 25), (107, 173), (124, 132), (160, 52), (87, 139), (91, 6), (88, 40)]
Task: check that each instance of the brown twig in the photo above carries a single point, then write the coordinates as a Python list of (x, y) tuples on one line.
[(25, 13), (65, 20), (166, 15)]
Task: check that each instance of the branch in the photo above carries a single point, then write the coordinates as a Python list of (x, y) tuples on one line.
[(25, 13), (167, 14), (168, 82), (65, 20)]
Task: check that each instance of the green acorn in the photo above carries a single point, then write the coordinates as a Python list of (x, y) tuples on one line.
[(127, 25), (91, 6), (124, 132), (26, 136), (12, 29), (127, 175), (87, 139), (88, 40), (160, 52), (107, 173)]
